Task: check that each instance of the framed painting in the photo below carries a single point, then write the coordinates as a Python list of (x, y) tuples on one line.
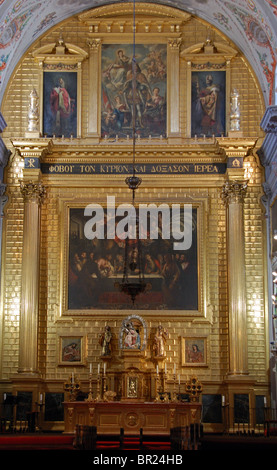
[(60, 103), (208, 103), (94, 267), (71, 350), (117, 106), (60, 78), (194, 351)]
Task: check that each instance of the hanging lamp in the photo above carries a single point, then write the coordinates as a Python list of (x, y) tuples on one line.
[(133, 263)]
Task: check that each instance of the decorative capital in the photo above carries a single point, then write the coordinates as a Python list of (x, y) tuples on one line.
[(94, 44), (35, 192), (234, 191), (175, 43)]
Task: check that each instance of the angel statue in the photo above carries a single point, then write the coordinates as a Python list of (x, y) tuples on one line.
[(105, 341), (160, 341)]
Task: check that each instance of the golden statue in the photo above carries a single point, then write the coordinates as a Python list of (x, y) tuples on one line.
[(160, 341)]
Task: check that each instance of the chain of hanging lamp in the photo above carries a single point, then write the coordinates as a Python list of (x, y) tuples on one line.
[(133, 264)]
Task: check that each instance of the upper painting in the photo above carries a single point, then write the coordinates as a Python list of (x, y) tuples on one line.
[(150, 91), (208, 103), (60, 104)]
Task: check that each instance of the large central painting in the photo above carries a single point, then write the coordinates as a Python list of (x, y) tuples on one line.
[(96, 266), (120, 103)]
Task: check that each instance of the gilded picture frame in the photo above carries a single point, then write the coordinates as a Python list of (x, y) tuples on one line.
[(208, 89), (60, 103), (117, 69), (208, 103), (72, 350), (65, 309), (194, 351), (60, 89), (95, 266)]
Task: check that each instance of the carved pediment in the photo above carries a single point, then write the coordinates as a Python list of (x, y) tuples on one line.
[(60, 52), (209, 52)]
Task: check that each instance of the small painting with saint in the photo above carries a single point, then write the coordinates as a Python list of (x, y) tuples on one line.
[(71, 350), (194, 351), (208, 103), (60, 104)]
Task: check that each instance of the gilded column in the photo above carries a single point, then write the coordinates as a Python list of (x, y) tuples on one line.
[(94, 88), (173, 124), (33, 193), (233, 193)]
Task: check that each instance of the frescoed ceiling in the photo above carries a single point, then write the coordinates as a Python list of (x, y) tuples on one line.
[(250, 24)]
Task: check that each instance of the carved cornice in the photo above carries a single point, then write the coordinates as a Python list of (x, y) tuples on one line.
[(38, 148), (149, 18)]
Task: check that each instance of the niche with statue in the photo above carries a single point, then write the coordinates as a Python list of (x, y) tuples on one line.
[(133, 381)]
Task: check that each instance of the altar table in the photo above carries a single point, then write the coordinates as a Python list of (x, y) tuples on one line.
[(155, 418)]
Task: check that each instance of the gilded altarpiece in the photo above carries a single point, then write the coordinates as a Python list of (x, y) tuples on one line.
[(176, 167)]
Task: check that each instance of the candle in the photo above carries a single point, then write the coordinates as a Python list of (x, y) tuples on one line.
[(265, 401), (104, 368), (5, 396), (165, 368), (157, 369), (90, 368), (223, 400), (40, 398), (179, 379), (98, 369), (174, 369), (72, 378)]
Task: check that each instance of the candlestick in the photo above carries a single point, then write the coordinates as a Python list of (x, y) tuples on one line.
[(72, 386), (89, 398), (98, 392)]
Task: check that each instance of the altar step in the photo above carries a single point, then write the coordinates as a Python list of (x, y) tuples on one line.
[(134, 443)]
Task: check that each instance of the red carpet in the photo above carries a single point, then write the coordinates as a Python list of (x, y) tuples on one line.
[(62, 442), (35, 442)]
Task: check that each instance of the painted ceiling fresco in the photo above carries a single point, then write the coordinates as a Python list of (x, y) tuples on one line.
[(250, 24)]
